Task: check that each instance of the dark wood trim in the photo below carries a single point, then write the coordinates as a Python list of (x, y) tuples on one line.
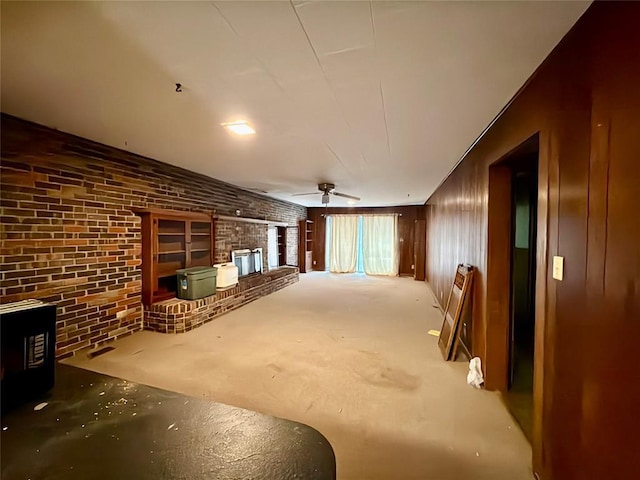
[(408, 210), (498, 278), (542, 255), (174, 214), (544, 359), (419, 248), (147, 259)]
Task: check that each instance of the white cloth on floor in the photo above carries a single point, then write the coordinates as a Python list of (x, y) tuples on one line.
[(474, 377)]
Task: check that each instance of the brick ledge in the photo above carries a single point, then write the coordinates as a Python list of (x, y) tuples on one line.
[(179, 316)]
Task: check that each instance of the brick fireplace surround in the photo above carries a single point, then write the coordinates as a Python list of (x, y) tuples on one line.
[(69, 235)]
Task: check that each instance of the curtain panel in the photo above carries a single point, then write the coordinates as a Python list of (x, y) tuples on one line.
[(344, 243), (380, 249)]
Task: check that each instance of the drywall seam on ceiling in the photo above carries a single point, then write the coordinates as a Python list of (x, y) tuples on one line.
[(255, 57), (375, 53), (328, 82)]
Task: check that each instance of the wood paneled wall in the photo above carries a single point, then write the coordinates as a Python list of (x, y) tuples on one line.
[(405, 231), (584, 102)]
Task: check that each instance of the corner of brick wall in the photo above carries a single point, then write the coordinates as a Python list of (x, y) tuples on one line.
[(69, 236)]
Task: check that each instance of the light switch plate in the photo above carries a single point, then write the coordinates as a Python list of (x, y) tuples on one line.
[(558, 267)]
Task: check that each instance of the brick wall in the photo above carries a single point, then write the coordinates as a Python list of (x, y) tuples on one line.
[(292, 246), (232, 235), (69, 236)]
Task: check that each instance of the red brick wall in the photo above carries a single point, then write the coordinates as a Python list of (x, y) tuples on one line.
[(292, 246), (232, 235), (68, 233)]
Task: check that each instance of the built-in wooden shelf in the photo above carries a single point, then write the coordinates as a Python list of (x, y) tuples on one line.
[(281, 232), (172, 240), (305, 245)]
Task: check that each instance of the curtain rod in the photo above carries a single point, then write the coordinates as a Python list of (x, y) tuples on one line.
[(329, 214)]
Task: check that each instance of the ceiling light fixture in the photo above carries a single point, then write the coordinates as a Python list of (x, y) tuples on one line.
[(351, 202), (239, 128)]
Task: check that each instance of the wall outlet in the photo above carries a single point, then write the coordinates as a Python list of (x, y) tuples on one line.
[(412, 267), (314, 262), (558, 268)]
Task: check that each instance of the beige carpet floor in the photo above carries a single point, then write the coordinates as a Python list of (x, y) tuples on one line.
[(350, 356)]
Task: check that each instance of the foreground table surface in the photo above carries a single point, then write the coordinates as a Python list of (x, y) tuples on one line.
[(95, 426)]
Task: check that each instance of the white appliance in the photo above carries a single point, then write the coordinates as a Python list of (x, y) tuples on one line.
[(227, 275)]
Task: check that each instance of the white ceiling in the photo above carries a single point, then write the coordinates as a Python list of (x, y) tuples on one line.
[(380, 98)]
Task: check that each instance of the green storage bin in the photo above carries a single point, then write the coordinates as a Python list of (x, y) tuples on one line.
[(196, 282)]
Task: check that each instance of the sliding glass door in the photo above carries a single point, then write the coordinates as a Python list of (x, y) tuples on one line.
[(362, 244)]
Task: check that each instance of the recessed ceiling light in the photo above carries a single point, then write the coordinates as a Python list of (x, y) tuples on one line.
[(239, 128), (351, 202)]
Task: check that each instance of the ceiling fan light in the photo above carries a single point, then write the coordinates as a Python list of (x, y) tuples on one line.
[(325, 198)]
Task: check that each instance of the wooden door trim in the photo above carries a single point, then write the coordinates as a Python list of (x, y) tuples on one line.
[(498, 278), (498, 312), (545, 200)]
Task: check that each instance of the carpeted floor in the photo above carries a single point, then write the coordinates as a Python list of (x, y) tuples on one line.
[(350, 356)]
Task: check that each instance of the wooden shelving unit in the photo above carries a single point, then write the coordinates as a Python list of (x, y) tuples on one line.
[(305, 245), (281, 233), (172, 240)]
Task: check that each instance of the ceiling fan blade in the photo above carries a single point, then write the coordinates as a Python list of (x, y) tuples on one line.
[(338, 194), (301, 194)]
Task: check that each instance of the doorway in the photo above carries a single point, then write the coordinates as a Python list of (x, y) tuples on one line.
[(524, 208), (513, 264)]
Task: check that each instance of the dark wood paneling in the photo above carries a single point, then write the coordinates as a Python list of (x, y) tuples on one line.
[(319, 234), (583, 102), (405, 241), (419, 248), (611, 326), (405, 230)]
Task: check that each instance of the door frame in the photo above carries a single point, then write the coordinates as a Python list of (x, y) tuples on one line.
[(498, 304)]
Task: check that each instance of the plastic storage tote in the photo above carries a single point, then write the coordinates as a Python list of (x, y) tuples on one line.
[(196, 282), (227, 275)]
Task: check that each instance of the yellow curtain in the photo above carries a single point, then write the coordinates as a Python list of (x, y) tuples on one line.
[(344, 243), (380, 249)]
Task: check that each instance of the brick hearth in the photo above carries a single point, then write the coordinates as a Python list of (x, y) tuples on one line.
[(179, 316)]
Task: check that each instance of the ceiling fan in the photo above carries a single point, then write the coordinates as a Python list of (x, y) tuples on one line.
[(327, 189)]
